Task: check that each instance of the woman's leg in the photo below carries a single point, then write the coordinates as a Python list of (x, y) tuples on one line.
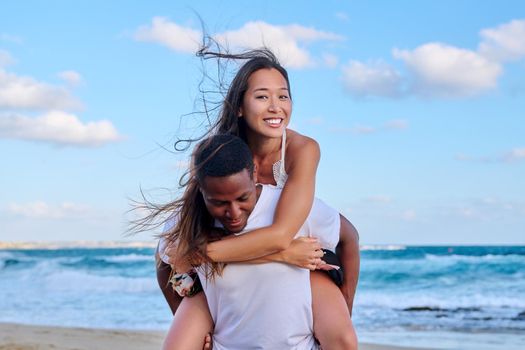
[(332, 323), (191, 324)]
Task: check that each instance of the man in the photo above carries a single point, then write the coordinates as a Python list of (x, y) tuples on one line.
[(270, 304)]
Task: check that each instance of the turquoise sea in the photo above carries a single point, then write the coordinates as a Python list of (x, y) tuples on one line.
[(455, 297)]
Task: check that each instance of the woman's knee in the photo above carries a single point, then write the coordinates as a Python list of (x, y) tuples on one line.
[(347, 340)]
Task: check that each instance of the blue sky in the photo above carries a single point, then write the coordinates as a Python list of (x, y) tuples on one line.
[(418, 108)]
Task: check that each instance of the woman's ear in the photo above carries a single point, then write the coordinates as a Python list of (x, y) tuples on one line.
[(239, 113)]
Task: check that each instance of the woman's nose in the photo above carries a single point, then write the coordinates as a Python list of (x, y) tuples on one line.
[(274, 106)]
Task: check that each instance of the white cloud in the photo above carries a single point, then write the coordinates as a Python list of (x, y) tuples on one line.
[(379, 199), (27, 93), (396, 124), (10, 38), (302, 33), (315, 121), (408, 215), (488, 209), (5, 58), (505, 42), (391, 125), (182, 164), (342, 16), (59, 128), (443, 70), (468, 158), (467, 213), (514, 155), (283, 40), (43, 210), (330, 60), (71, 77), (363, 129), (170, 34), (374, 79)]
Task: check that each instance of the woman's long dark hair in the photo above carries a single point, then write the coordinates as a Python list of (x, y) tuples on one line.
[(193, 224), (227, 120)]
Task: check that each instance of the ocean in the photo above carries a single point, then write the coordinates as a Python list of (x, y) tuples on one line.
[(456, 297)]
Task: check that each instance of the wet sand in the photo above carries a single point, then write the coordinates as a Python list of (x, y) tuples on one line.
[(25, 337)]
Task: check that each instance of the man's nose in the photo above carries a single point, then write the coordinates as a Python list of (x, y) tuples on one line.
[(234, 211)]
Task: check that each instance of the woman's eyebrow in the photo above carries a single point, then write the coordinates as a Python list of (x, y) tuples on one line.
[(266, 89)]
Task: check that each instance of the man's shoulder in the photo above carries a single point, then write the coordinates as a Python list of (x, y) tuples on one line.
[(272, 189)]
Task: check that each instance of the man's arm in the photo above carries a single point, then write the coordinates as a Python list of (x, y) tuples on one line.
[(348, 252), (163, 277)]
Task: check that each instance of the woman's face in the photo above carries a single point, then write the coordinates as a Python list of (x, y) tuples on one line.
[(266, 106)]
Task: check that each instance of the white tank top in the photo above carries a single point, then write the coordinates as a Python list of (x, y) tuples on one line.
[(268, 306), (279, 172)]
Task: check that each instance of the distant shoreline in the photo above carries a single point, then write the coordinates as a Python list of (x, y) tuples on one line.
[(76, 244), (20, 245)]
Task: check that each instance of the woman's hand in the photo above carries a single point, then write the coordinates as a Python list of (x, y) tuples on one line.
[(177, 263), (304, 252)]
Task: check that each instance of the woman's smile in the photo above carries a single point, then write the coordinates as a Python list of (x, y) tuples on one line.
[(274, 122)]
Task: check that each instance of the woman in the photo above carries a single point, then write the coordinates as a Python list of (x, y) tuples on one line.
[(258, 108)]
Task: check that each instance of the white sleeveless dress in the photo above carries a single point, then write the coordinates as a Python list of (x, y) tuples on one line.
[(279, 171)]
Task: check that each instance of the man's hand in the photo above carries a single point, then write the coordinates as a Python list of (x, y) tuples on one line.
[(326, 267)]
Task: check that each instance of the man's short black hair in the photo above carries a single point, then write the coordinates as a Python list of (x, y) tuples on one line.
[(222, 155)]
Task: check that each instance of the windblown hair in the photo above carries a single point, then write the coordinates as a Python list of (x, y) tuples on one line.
[(220, 155), (228, 120)]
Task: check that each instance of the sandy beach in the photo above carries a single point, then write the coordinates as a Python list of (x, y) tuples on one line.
[(25, 337)]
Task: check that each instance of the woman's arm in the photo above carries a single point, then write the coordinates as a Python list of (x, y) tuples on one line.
[(292, 209), (303, 252)]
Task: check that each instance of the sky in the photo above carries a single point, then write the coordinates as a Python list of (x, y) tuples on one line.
[(418, 108)]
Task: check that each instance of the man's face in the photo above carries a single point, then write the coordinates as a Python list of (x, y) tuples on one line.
[(230, 199)]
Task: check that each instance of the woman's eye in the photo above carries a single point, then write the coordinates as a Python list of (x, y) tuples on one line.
[(261, 97), (284, 97)]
